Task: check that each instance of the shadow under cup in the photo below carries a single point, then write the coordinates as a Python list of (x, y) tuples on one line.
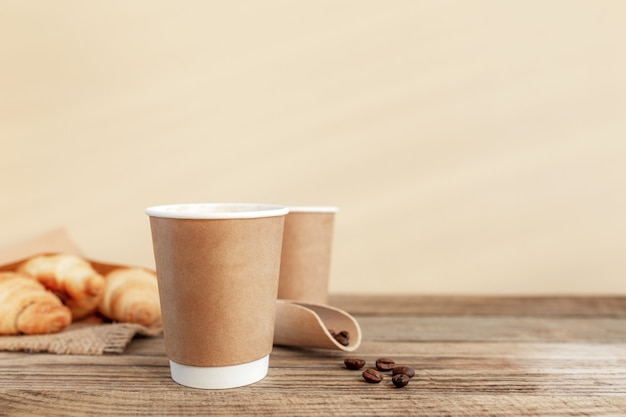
[(218, 269)]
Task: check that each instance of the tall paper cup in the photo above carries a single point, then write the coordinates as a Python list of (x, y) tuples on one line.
[(306, 254), (217, 268)]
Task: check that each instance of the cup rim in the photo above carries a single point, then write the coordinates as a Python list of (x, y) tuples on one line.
[(313, 209), (216, 211)]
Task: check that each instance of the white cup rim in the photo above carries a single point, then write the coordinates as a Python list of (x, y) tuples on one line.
[(216, 211), (313, 209)]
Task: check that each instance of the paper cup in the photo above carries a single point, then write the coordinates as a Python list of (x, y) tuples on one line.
[(306, 254), (217, 268)]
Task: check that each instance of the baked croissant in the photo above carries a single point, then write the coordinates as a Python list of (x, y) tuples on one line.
[(27, 307), (132, 296), (71, 278)]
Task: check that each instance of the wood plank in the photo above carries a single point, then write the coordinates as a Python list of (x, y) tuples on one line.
[(563, 369), (388, 402), (478, 329), (421, 355), (608, 306)]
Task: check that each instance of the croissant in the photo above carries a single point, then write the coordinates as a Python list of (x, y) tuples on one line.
[(132, 296), (27, 307), (71, 278)]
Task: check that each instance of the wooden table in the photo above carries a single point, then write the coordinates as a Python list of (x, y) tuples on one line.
[(474, 356)]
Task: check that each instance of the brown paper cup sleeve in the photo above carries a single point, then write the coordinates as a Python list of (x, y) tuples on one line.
[(308, 325)]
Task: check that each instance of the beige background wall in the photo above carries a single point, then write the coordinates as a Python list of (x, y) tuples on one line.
[(472, 147)]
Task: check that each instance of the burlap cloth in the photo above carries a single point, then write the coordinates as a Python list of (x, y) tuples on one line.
[(80, 339)]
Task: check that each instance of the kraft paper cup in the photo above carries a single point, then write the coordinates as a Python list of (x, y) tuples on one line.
[(306, 254), (217, 268)]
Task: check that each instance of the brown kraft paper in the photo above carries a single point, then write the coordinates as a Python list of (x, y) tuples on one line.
[(309, 325), (306, 256), (218, 280)]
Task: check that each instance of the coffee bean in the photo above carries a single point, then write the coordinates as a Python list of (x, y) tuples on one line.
[(343, 337), (353, 363), (372, 376), (385, 364), (400, 380), (403, 370)]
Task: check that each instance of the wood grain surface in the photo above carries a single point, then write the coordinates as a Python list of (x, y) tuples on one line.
[(514, 361)]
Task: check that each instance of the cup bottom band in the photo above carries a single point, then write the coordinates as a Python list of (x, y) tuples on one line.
[(220, 377)]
